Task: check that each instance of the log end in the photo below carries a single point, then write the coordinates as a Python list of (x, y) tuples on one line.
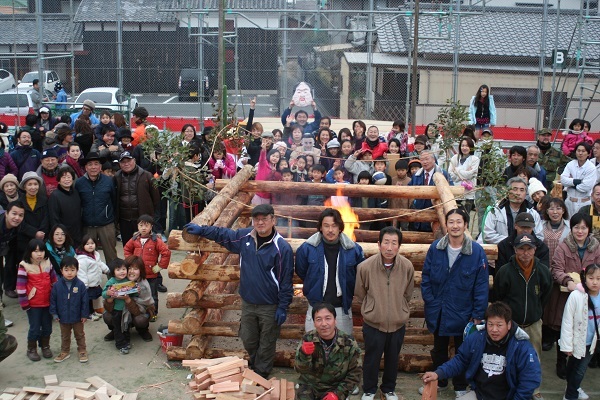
[(188, 237)]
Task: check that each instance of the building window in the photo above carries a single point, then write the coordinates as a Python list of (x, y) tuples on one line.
[(514, 97)]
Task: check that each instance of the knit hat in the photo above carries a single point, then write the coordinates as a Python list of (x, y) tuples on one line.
[(90, 104), (421, 139), (27, 176), (49, 153), (277, 145), (535, 186), (8, 178), (333, 143)]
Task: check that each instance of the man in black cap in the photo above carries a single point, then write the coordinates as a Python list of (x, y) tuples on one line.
[(98, 199), (136, 195), (524, 223), (524, 283), (266, 270), (48, 170)]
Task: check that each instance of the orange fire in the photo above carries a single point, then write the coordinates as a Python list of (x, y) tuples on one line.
[(340, 203)]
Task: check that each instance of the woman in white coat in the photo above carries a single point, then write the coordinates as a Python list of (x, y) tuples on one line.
[(579, 178), (463, 171)]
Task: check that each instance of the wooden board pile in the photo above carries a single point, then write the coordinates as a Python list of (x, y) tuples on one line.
[(229, 378), (94, 388)]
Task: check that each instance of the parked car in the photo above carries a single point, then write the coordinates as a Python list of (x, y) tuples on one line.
[(14, 103), (107, 98), (188, 85), (7, 80), (50, 79)]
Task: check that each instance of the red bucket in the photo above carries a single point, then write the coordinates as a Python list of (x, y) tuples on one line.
[(169, 339)]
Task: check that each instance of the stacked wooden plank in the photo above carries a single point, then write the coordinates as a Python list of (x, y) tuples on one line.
[(94, 388), (229, 378)]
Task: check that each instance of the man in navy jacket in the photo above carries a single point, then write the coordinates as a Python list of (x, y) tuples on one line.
[(266, 270), (454, 289), (497, 359)]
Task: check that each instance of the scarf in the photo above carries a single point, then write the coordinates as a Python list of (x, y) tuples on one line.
[(48, 172), (372, 143), (526, 269), (543, 146), (73, 163)]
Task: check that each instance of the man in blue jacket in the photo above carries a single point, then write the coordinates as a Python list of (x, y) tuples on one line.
[(301, 118), (98, 198), (326, 263), (454, 289), (497, 359), (266, 270)]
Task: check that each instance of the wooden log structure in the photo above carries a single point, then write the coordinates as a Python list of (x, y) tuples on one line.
[(361, 235), (327, 189)]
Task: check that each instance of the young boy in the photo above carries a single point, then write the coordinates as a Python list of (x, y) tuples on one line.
[(380, 165), (318, 171), (69, 305), (125, 139), (114, 305), (154, 252), (336, 175), (288, 199), (401, 179), (104, 123)]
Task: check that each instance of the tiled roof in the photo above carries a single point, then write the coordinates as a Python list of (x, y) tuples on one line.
[(230, 4), (55, 29), (132, 11), (502, 32)]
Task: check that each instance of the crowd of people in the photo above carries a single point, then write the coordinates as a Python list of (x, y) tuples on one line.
[(72, 185)]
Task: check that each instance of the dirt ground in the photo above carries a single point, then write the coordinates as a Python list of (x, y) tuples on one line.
[(147, 371)]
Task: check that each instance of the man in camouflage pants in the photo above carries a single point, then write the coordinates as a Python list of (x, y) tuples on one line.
[(328, 359)]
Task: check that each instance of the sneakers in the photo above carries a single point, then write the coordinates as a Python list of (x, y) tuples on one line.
[(390, 396), (439, 389), (368, 396), (355, 391), (460, 393), (8, 323), (62, 357), (96, 316), (83, 357), (109, 337), (124, 350), (582, 395)]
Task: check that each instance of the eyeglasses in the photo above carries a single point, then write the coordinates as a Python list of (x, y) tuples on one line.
[(87, 108)]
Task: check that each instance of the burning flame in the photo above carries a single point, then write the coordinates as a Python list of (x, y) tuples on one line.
[(340, 203)]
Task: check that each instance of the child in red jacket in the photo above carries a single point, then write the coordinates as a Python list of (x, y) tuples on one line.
[(154, 252)]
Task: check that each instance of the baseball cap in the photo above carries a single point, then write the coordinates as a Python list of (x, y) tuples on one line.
[(263, 209), (488, 131), (544, 131), (44, 110), (48, 153), (124, 155), (525, 239), (525, 219)]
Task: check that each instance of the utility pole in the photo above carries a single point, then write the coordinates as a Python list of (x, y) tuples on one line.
[(40, 45), (119, 47), (413, 87), (222, 89)]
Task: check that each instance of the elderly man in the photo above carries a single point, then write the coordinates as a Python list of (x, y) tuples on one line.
[(328, 359), (136, 195), (533, 156), (384, 286), (497, 359), (87, 110), (454, 289), (499, 223), (98, 199), (524, 283), (326, 262), (26, 158), (48, 170), (266, 270), (424, 177)]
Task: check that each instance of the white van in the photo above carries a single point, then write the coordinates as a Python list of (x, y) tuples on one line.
[(13, 103), (50, 79)]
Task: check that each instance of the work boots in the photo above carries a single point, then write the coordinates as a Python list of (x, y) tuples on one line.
[(45, 342), (32, 353)]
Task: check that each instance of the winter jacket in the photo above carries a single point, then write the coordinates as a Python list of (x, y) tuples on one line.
[(143, 199), (571, 141), (149, 251), (311, 268), (98, 199), (379, 150), (105, 152), (265, 173), (523, 370), (574, 327), (566, 259), (34, 283), (309, 127), (355, 167), (465, 173), (384, 294), (506, 250), (93, 119), (265, 272), (418, 179), (223, 173), (35, 220), (525, 298), (541, 173), (65, 208), (454, 294), (338, 372), (586, 173), (7, 165), (6, 235), (495, 223), (70, 305), (26, 159), (91, 269), (473, 111), (61, 97), (55, 258)]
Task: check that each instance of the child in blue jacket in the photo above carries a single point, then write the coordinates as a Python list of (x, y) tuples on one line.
[(69, 306)]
